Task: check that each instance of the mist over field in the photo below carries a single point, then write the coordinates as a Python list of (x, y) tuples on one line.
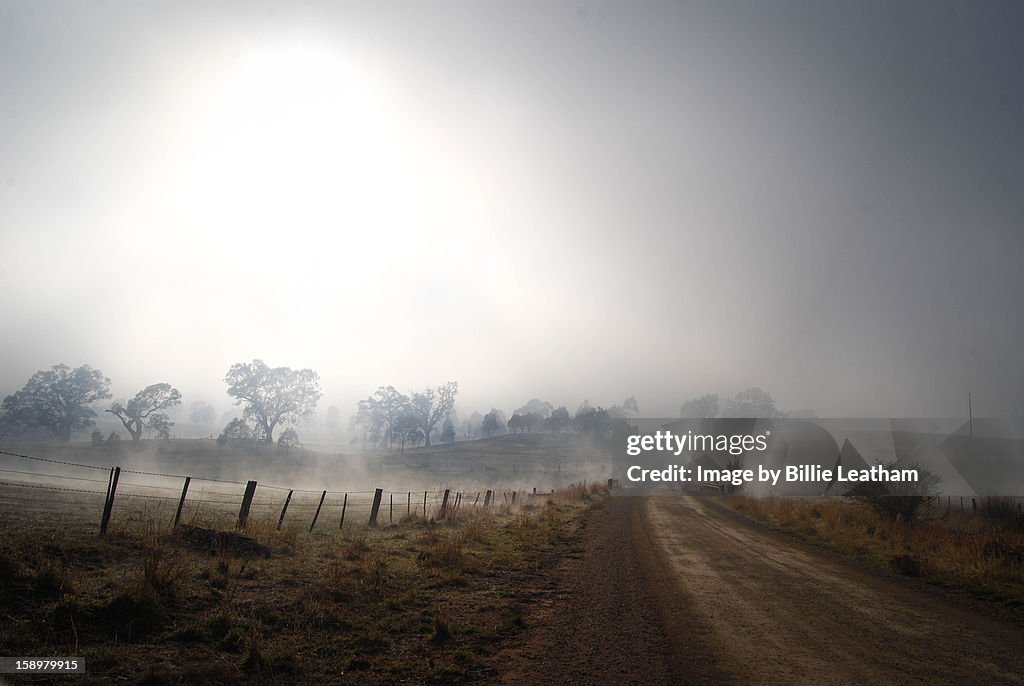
[(574, 202), (525, 342)]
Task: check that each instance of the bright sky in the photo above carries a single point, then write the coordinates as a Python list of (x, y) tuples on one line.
[(563, 201)]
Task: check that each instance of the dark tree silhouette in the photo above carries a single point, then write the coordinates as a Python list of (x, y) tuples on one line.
[(55, 402)]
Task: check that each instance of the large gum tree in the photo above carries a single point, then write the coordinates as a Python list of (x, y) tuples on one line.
[(271, 396)]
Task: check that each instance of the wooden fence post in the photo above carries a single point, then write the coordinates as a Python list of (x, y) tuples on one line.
[(444, 503), (181, 501), (344, 506), (477, 501), (424, 505), (514, 497), (391, 509), (974, 506), (376, 506), (408, 505), (109, 504), (243, 512), (316, 515), (487, 498), (280, 520)]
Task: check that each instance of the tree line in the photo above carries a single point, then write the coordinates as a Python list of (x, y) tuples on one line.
[(58, 402)]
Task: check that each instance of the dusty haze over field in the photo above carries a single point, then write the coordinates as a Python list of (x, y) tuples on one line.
[(554, 200)]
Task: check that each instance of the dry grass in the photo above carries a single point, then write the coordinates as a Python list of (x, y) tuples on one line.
[(419, 602), (950, 548)]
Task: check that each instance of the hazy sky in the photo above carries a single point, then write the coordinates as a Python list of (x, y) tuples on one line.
[(537, 199)]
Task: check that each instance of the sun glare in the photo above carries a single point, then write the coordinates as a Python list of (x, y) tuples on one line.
[(300, 140)]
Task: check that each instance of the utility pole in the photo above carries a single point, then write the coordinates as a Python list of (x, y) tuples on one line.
[(970, 415)]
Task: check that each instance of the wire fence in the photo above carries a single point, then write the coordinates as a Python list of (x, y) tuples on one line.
[(35, 487)]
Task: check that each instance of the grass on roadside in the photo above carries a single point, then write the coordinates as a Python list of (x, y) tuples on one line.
[(980, 554)]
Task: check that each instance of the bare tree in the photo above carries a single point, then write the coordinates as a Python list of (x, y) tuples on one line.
[(146, 410), (433, 405)]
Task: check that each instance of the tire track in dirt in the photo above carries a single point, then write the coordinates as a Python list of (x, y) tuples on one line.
[(615, 615), (780, 612)]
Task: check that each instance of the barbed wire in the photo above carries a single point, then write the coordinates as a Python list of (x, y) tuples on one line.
[(47, 459), (53, 476), (183, 476), (198, 497), (49, 488)]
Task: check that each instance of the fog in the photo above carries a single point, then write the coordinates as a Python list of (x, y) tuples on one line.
[(569, 202)]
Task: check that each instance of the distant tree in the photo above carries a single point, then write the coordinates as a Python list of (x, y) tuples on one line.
[(407, 431), (704, 407), (272, 395), (559, 419), (471, 427), (900, 500), (628, 408), (114, 437), (202, 414), (239, 430), (752, 403), (379, 414), (433, 405), (516, 423), (536, 406), (593, 421), (289, 438), (55, 402), (492, 423), (448, 431), (146, 410), (97, 437)]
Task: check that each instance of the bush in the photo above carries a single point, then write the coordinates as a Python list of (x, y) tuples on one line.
[(899, 500)]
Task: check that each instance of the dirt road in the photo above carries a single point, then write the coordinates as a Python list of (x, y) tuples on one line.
[(680, 590)]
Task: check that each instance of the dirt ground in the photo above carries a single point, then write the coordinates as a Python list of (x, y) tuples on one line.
[(681, 590)]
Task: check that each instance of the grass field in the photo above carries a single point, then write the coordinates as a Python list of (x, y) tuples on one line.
[(421, 601), (417, 599), (981, 553)]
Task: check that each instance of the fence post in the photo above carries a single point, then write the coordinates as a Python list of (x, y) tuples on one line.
[(974, 506), (280, 520), (344, 506), (408, 505), (243, 512), (477, 501), (391, 509), (109, 504), (376, 506), (181, 502), (514, 497), (444, 503), (316, 515), (487, 498), (424, 505)]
